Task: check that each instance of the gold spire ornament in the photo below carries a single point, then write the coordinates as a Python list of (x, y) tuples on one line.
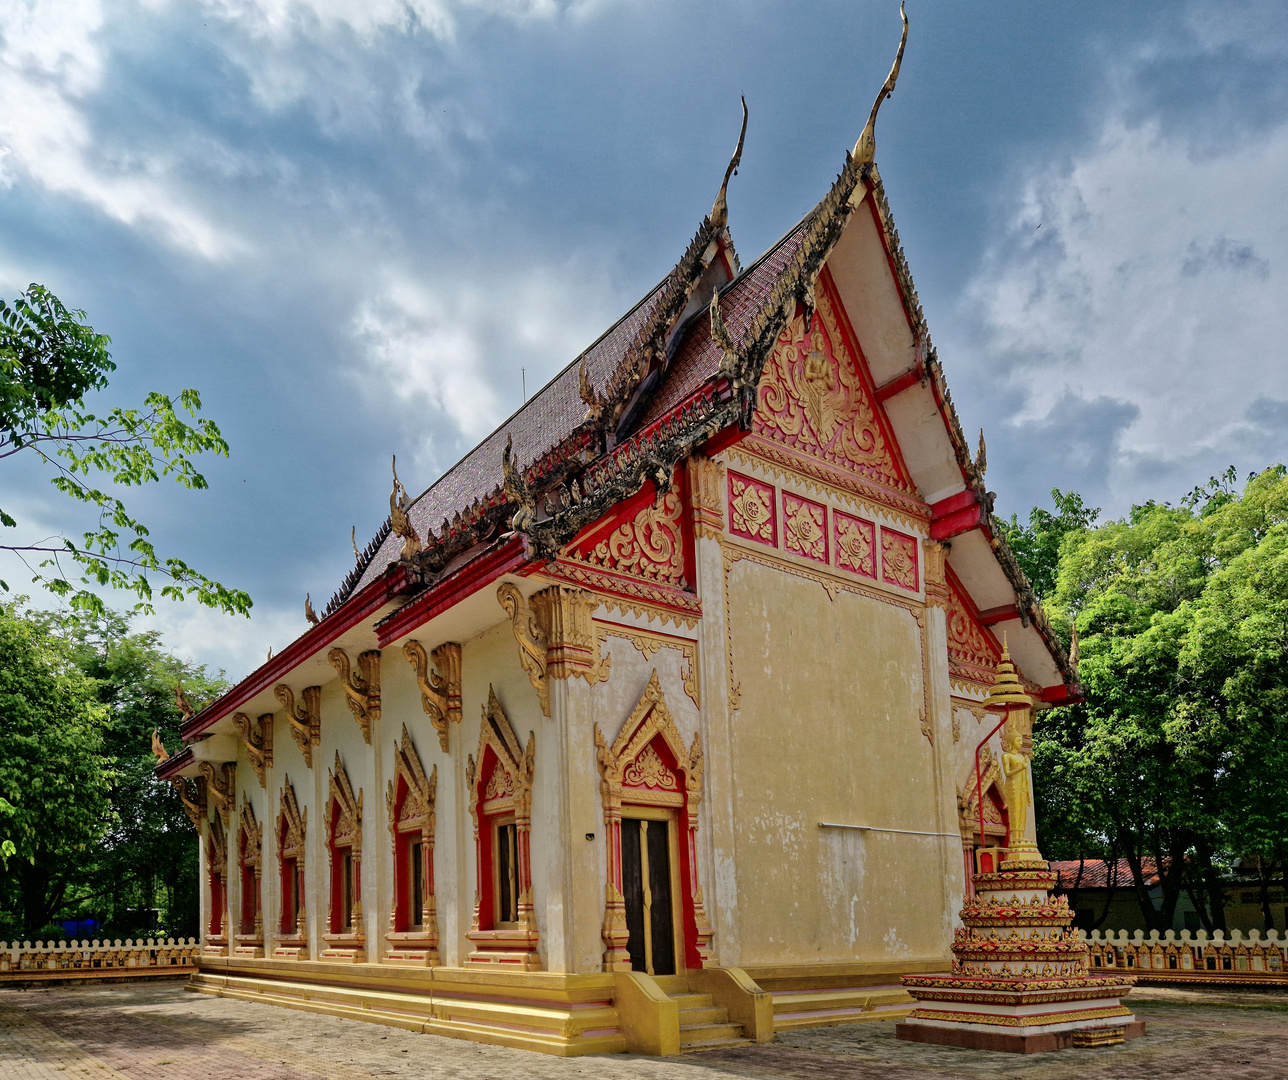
[(1006, 689), (1074, 652), (399, 521), (720, 209), (181, 702), (309, 613), (865, 150), (981, 455)]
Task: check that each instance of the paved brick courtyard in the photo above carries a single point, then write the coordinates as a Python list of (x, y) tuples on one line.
[(156, 1031)]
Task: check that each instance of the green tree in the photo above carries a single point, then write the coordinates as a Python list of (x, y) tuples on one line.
[(1037, 544), (1181, 615), (50, 360), (53, 771)]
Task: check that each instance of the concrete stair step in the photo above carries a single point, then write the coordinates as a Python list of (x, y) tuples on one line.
[(695, 1033), (714, 1044), (713, 1015), (693, 1001), (839, 1005)]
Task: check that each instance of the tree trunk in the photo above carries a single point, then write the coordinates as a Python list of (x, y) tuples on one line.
[(1263, 880)]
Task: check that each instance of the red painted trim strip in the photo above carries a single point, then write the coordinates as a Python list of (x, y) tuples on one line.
[(1059, 695), (899, 384), (956, 523), (999, 614), (166, 769), (953, 503), (352, 612), (452, 589)]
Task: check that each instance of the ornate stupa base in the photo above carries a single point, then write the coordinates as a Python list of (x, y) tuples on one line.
[(1020, 979)]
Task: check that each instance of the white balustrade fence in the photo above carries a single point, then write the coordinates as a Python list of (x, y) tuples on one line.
[(95, 959), (1193, 957)]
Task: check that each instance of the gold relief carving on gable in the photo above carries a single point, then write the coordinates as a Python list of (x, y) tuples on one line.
[(650, 546), (348, 824), (499, 783), (649, 770), (751, 509), (855, 541), (899, 559), (648, 643), (813, 399), (805, 527), (972, 651)]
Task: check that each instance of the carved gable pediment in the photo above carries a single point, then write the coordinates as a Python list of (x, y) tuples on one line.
[(509, 782), (973, 652), (817, 411), (642, 763), (415, 810), (291, 823)]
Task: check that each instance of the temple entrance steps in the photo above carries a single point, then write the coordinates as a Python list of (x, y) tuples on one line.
[(828, 1006), (704, 1025)]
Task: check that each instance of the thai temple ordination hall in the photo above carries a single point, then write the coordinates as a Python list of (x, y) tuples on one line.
[(667, 717)]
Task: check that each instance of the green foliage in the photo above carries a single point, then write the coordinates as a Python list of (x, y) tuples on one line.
[(1037, 544), (50, 359), (1178, 751), (96, 835)]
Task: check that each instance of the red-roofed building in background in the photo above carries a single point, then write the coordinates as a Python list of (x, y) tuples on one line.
[(663, 701)]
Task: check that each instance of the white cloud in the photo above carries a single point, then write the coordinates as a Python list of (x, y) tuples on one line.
[(50, 64), (230, 642), (458, 345), (1145, 273)]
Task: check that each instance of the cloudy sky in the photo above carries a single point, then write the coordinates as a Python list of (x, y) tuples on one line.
[(352, 224)]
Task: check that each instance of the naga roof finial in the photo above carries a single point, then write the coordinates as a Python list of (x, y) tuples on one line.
[(720, 209), (865, 150)]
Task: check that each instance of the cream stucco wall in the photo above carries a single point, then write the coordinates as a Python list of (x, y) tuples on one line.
[(829, 730)]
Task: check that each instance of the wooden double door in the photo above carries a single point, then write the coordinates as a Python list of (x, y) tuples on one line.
[(650, 887)]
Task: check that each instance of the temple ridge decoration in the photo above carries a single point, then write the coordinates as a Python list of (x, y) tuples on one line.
[(410, 800), (440, 686), (362, 687), (305, 719), (257, 737), (504, 928)]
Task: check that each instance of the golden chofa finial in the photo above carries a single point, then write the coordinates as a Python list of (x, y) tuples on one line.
[(865, 150), (1006, 689), (720, 208)]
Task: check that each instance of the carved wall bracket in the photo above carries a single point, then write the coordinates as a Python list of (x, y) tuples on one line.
[(564, 615), (221, 787), (440, 687), (257, 738), (192, 793), (361, 687), (531, 639), (305, 720)]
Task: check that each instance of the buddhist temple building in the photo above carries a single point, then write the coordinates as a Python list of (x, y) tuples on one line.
[(658, 721)]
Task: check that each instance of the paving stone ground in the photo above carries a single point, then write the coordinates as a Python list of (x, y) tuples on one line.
[(157, 1031)]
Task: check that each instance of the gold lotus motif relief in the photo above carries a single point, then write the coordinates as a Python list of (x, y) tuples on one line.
[(648, 770), (752, 513), (854, 546), (499, 783), (898, 560), (804, 528)]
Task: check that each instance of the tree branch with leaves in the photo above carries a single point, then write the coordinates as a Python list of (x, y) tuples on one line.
[(51, 359)]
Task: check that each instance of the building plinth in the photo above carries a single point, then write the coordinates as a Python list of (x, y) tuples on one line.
[(1019, 979)]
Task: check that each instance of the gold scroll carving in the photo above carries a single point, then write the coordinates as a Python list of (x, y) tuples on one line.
[(440, 686), (192, 793), (361, 687), (305, 720), (257, 738), (650, 546), (221, 787), (531, 640)]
